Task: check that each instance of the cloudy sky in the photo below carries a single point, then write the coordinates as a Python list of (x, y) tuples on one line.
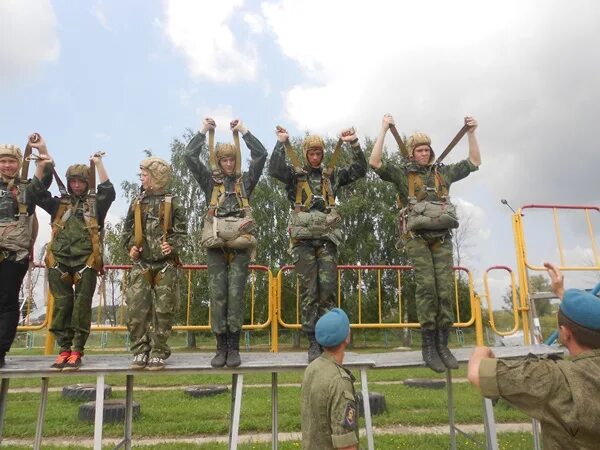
[(124, 76)]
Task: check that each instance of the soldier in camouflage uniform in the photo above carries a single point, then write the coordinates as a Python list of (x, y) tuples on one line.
[(315, 253), (227, 266), (154, 233), (562, 394), (329, 407), (74, 255), (420, 183), (17, 233)]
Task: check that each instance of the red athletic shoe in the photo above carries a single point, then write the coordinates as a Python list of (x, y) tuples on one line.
[(74, 361), (61, 360)]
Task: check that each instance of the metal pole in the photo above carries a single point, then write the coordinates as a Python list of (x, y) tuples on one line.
[(237, 406), (274, 412), (364, 386), (128, 411), (37, 443), (451, 410), (489, 424), (99, 413), (3, 398)]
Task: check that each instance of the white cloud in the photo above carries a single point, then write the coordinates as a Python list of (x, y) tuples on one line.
[(28, 39), (255, 22), (202, 32), (97, 10), (102, 136), (527, 70)]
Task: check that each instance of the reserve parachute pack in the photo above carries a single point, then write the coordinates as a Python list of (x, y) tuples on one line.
[(305, 223), (230, 232), (421, 214), (67, 209), (18, 229)]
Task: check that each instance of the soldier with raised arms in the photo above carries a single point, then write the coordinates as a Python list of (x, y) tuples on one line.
[(314, 224), (228, 233), (18, 229), (74, 254), (427, 218)]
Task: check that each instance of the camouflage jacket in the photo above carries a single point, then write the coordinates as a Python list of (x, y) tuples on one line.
[(398, 174), (563, 395), (341, 176), (329, 407), (152, 208), (13, 232), (230, 205), (72, 245)]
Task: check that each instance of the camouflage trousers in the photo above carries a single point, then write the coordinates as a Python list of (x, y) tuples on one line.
[(434, 278), (73, 290), (152, 298), (316, 269), (227, 275)]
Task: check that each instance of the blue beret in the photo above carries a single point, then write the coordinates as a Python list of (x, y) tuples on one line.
[(582, 307), (332, 328)]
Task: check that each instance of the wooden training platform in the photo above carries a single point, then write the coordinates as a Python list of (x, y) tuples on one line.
[(199, 363)]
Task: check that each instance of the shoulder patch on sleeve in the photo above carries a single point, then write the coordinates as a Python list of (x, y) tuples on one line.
[(350, 416)]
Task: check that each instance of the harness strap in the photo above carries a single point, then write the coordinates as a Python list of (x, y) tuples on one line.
[(238, 154), (167, 216), (138, 236), (212, 158)]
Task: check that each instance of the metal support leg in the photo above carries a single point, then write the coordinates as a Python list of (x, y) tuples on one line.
[(237, 384), (489, 423), (99, 413), (451, 421), (274, 413), (364, 387), (3, 398), (128, 411), (537, 445), (37, 443)]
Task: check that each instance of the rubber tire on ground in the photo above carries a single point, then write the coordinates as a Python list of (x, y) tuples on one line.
[(205, 390), (84, 391), (427, 383), (114, 411), (376, 402)]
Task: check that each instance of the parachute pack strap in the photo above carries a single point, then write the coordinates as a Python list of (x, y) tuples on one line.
[(61, 186), (327, 190), (334, 157), (440, 186), (399, 141), (92, 177), (240, 192), (167, 222), (291, 154), (61, 216), (238, 153), (302, 187), (95, 259), (411, 184), (212, 157), (218, 189), (137, 224), (25, 165), (452, 143)]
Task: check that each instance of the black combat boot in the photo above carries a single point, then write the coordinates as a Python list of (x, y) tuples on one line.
[(441, 343), (314, 349), (221, 356), (429, 351), (233, 349)]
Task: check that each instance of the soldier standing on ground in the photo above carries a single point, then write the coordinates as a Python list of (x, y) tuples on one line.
[(427, 219), (228, 233), (562, 394), (329, 406), (154, 233), (314, 223), (74, 254), (18, 229)]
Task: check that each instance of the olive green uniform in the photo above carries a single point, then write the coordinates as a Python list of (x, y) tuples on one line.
[(429, 251), (563, 395), (227, 267), (152, 293), (316, 259), (329, 406), (71, 281)]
